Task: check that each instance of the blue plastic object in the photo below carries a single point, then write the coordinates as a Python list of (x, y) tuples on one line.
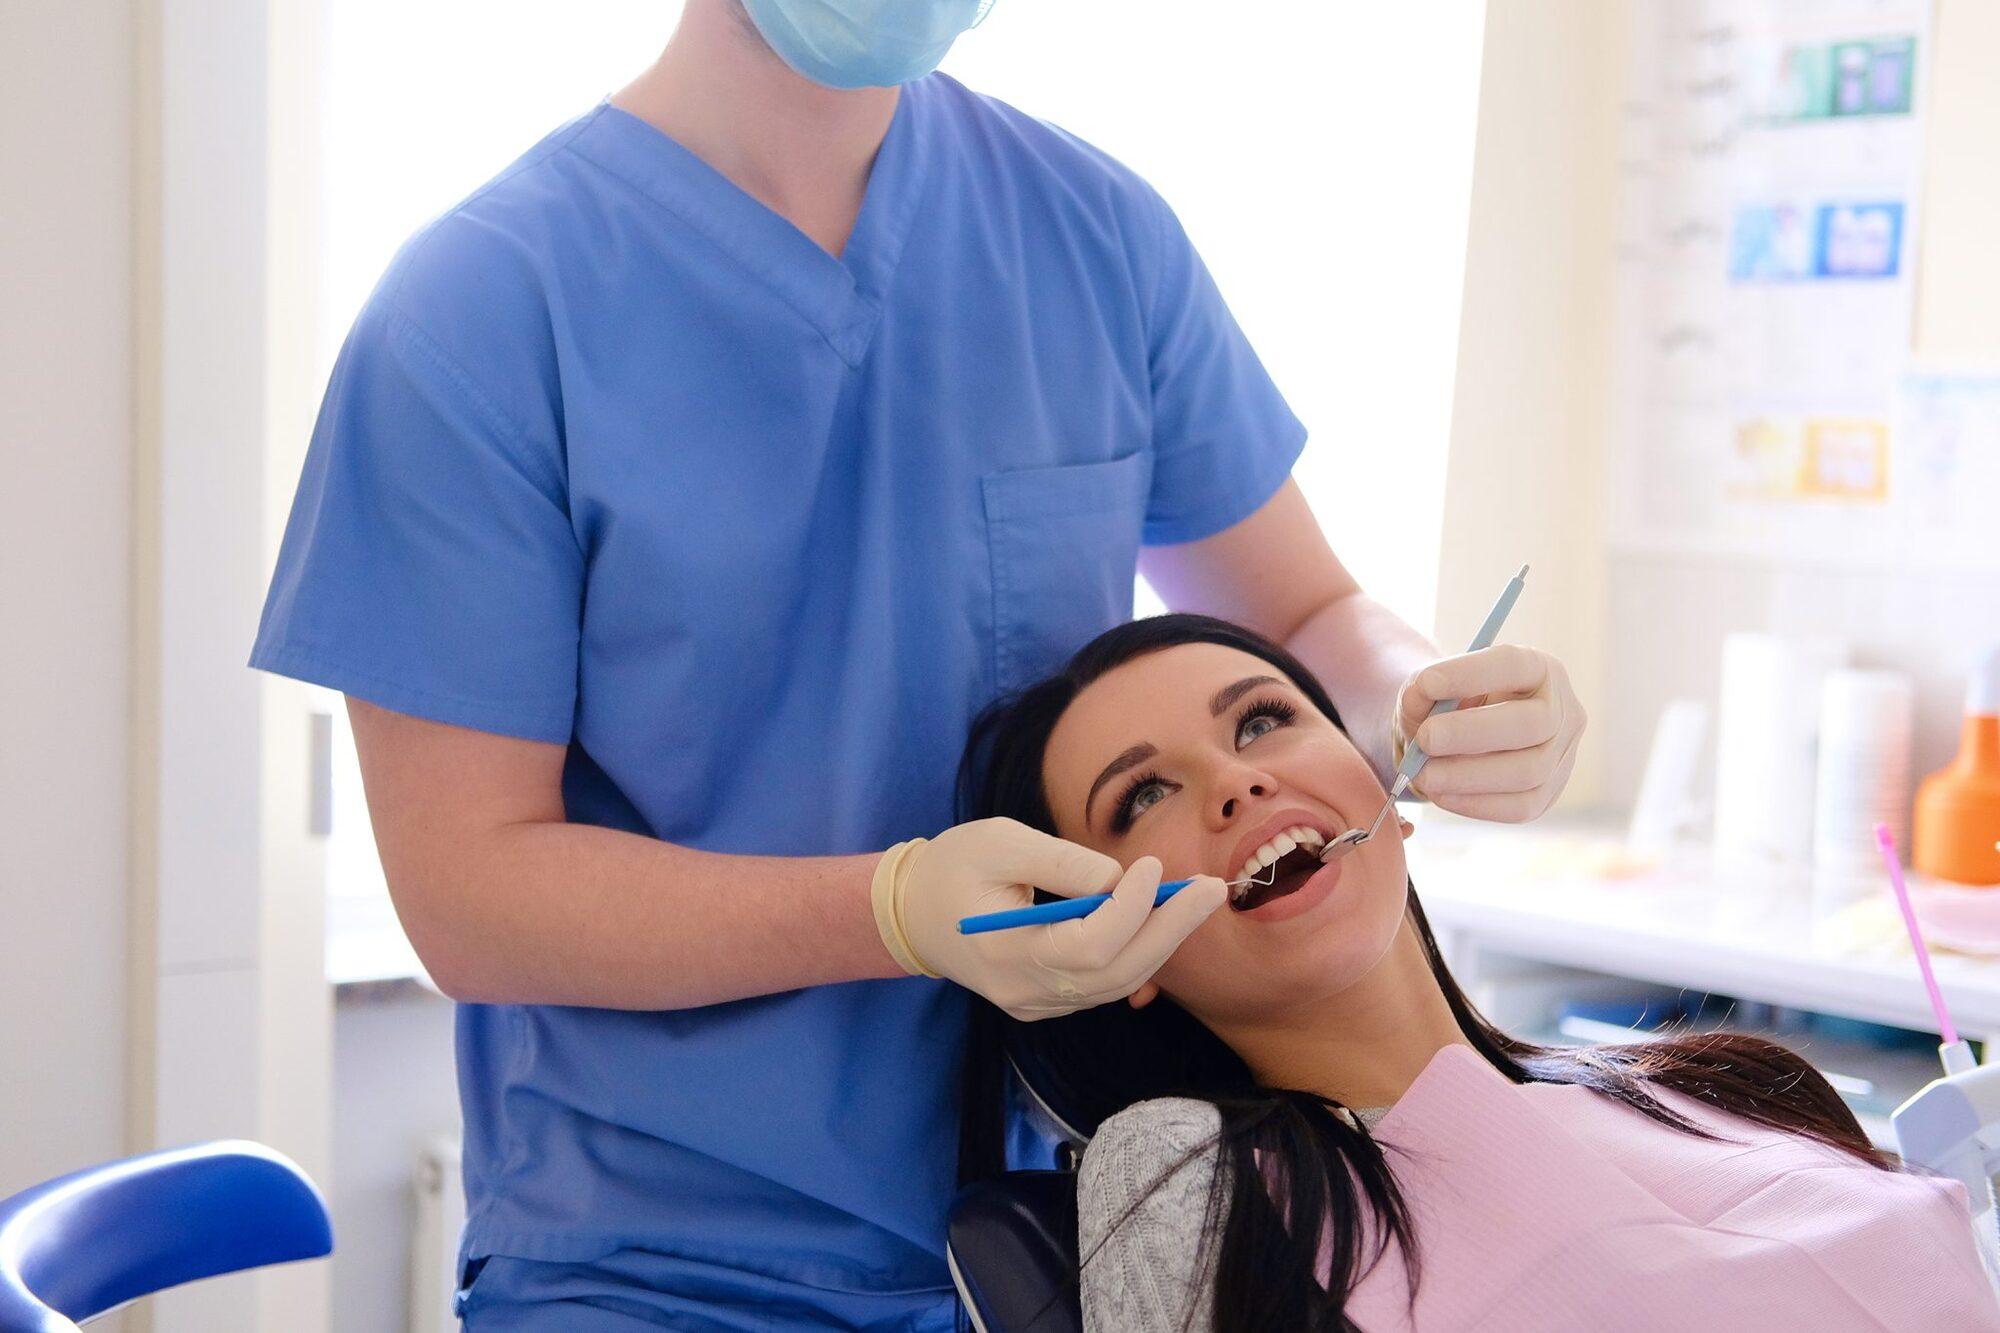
[(82, 1244), (1061, 910)]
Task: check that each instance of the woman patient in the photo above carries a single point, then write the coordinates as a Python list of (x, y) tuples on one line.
[(1302, 1123)]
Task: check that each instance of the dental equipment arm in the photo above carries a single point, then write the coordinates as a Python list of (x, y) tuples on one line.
[(1952, 1127)]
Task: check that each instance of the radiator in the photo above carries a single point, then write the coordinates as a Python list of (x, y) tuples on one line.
[(440, 1216)]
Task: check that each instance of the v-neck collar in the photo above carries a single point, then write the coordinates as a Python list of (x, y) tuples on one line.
[(841, 298)]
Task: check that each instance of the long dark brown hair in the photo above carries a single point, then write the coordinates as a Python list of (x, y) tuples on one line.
[(1323, 1167)]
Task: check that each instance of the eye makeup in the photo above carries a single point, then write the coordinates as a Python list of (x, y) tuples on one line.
[(1280, 710)]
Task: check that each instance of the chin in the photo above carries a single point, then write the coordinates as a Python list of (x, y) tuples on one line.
[(1334, 950)]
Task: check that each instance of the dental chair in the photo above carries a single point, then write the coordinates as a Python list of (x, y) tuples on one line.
[(1011, 1243), (84, 1244)]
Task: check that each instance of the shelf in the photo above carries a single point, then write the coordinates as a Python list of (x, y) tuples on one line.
[(1557, 892)]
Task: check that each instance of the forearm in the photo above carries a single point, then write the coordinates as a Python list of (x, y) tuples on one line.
[(1362, 652), (560, 913)]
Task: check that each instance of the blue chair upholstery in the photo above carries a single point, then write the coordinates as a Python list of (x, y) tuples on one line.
[(82, 1244)]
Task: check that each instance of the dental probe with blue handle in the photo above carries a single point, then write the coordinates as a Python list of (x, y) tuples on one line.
[(1068, 909)]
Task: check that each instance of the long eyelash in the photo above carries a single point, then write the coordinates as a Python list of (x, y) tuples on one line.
[(1277, 708), (1121, 818)]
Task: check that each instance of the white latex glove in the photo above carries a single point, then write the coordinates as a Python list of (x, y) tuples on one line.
[(922, 888), (1507, 751)]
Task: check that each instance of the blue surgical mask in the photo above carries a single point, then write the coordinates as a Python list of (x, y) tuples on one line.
[(864, 43)]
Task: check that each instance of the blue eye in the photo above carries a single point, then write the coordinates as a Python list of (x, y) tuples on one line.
[(1127, 807), (1151, 789), (1251, 727), (1276, 711)]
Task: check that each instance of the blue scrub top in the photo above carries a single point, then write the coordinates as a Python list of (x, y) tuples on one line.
[(616, 458)]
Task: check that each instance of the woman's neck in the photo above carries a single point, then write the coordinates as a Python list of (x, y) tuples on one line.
[(802, 150), (1362, 1047)]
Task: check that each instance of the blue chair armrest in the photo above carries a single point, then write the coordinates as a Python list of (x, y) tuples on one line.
[(77, 1246)]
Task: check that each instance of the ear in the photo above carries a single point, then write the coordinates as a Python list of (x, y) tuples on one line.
[(1145, 995)]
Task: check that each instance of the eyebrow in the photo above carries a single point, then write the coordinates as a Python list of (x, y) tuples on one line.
[(1138, 754), (1229, 694), (1129, 759)]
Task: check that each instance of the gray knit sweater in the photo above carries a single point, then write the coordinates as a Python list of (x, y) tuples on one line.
[(1154, 1270)]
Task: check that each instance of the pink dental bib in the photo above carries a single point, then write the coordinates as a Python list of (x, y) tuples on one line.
[(1551, 1208)]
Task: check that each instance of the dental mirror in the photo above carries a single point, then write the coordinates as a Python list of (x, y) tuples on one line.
[(1354, 837)]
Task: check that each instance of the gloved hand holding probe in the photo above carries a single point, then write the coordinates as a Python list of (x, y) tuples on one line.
[(924, 886)]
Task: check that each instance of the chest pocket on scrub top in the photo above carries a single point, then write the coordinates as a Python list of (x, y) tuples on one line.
[(1065, 548)]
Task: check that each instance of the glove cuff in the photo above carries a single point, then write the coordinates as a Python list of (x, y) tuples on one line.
[(885, 892)]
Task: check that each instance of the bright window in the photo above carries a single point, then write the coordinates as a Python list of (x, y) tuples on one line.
[(1319, 154), (422, 101)]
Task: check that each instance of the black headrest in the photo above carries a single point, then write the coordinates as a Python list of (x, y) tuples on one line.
[(1084, 1067), (1012, 1246)]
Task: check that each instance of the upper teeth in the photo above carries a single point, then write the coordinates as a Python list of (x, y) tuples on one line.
[(1301, 835)]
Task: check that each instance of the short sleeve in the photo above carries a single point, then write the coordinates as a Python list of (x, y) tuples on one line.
[(1148, 1264), (429, 564), (1224, 440)]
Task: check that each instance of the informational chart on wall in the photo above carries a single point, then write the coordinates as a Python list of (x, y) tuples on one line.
[(1946, 438), (1770, 173)]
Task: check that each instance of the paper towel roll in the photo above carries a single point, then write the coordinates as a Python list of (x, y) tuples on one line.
[(1863, 776), (1764, 747)]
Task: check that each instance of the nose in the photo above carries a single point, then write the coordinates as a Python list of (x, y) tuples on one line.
[(1235, 790)]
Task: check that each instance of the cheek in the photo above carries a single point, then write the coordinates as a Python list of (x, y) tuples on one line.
[(1236, 969), (1349, 778), (1204, 974), (1173, 833)]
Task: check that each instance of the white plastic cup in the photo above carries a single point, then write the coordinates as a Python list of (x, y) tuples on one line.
[(1765, 755), (1865, 725)]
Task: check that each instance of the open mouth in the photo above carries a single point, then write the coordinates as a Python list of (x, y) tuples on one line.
[(1292, 869)]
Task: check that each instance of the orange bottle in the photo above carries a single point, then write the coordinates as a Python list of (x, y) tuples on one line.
[(1958, 807)]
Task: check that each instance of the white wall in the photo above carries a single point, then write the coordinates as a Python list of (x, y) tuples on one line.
[(108, 339), (1958, 267), (393, 1089), (1531, 421), (1527, 411), (1667, 613), (66, 143)]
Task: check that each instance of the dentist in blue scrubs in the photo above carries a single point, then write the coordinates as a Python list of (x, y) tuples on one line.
[(677, 500)]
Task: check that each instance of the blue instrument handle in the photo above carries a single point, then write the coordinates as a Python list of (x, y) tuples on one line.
[(1068, 909)]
